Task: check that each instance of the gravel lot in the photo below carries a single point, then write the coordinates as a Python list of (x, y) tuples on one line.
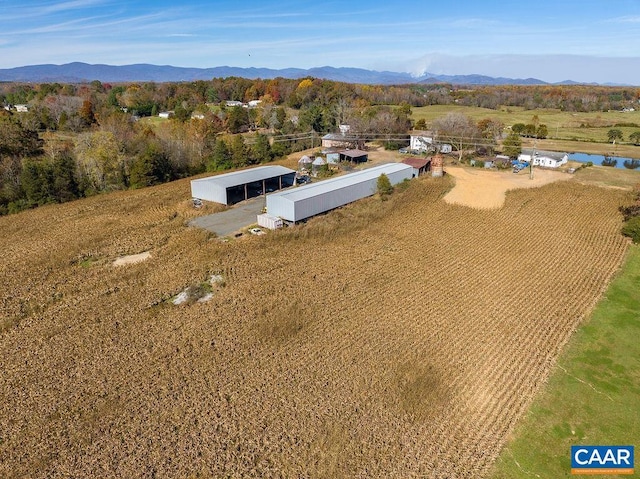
[(232, 220)]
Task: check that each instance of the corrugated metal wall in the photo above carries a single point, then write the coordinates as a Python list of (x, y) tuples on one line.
[(208, 191), (297, 210)]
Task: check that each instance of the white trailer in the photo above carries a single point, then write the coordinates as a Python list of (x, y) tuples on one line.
[(269, 221)]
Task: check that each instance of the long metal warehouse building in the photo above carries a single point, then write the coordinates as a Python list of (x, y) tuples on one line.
[(299, 203), (230, 188)]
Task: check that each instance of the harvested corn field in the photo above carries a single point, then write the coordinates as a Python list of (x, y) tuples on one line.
[(398, 338)]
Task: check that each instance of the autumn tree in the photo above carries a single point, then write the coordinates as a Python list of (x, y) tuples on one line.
[(383, 185), (16, 143), (421, 124), (220, 158), (512, 145), (100, 161), (457, 129), (237, 119), (261, 150), (614, 134), (36, 180), (150, 168), (238, 151)]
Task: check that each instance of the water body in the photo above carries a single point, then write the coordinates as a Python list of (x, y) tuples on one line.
[(611, 161)]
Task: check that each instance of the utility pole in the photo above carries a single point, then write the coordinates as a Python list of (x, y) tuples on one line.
[(533, 154)]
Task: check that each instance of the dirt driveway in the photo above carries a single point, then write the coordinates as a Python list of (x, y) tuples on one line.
[(486, 189)]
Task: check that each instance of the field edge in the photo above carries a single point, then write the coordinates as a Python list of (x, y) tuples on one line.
[(593, 394)]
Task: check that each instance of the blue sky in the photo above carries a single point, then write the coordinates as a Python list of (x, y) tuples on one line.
[(554, 40)]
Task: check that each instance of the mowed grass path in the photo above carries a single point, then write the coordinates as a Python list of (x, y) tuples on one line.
[(593, 397)]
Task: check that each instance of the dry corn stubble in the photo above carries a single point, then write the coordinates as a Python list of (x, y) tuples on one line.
[(386, 339)]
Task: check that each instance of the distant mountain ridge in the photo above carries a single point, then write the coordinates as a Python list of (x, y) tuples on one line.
[(78, 72)]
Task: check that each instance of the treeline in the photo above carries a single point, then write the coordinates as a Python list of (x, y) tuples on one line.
[(576, 98), (80, 140), (77, 140), (38, 168)]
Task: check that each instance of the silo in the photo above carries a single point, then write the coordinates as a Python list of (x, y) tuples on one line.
[(317, 166), (304, 164), (437, 166)]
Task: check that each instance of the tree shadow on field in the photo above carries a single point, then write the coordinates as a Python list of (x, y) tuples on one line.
[(283, 321), (422, 393)]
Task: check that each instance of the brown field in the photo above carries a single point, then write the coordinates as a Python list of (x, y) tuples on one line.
[(398, 338)]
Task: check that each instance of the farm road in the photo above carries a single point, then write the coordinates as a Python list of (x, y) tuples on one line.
[(237, 217)]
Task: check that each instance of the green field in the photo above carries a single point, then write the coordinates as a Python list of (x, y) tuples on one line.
[(575, 130), (593, 397)]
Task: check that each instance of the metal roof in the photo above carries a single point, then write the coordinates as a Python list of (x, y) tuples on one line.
[(332, 184), (417, 162), (554, 155), (354, 153), (236, 178)]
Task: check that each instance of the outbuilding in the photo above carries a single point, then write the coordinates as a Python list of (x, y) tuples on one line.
[(355, 156), (309, 200), (419, 165), (317, 166), (231, 188), (304, 163)]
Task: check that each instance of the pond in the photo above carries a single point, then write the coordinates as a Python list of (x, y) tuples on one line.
[(612, 161)]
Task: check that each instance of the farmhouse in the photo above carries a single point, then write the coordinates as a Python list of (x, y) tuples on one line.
[(297, 204), (422, 142), (549, 159), (419, 165), (231, 188)]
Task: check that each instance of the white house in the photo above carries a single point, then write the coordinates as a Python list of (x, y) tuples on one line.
[(548, 159), (421, 143), (22, 108), (165, 114), (425, 142)]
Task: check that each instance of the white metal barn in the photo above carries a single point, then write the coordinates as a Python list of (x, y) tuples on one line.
[(230, 188), (303, 202)]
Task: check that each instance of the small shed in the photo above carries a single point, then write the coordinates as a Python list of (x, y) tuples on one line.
[(332, 155), (419, 165), (269, 221), (354, 156)]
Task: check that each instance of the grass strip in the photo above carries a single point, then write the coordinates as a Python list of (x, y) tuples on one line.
[(593, 397)]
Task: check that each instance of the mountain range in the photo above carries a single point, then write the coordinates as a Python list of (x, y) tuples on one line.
[(78, 72)]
